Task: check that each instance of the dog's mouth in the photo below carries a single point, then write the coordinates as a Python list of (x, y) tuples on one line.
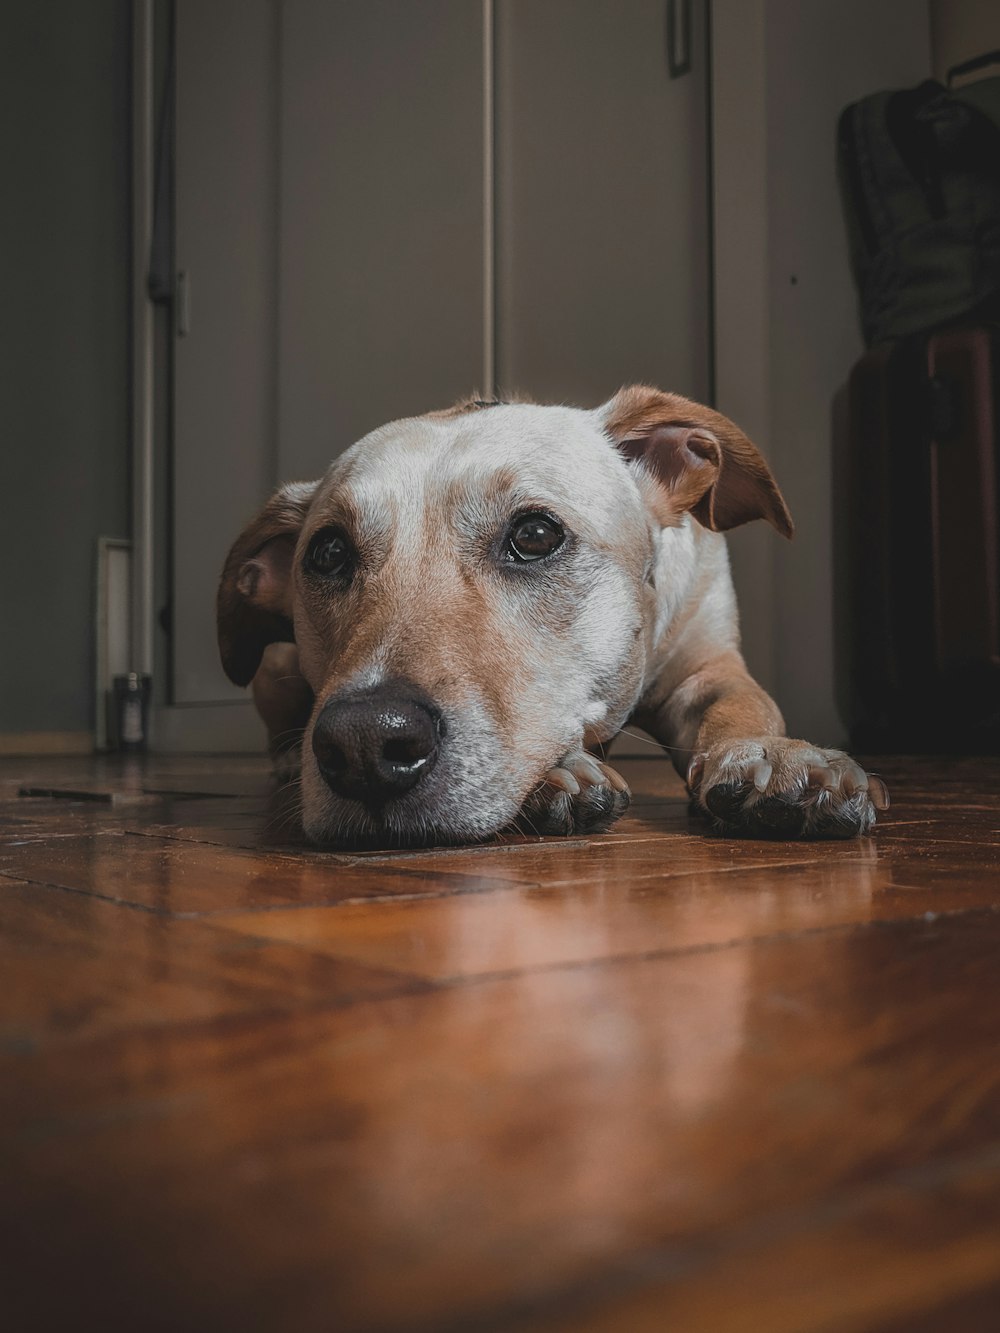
[(413, 824)]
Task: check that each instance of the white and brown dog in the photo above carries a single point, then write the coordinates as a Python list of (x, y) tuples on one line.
[(471, 604)]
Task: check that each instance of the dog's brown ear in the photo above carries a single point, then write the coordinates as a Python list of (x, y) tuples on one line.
[(254, 604), (702, 461)]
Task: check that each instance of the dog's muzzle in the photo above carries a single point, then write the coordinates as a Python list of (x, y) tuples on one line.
[(375, 745)]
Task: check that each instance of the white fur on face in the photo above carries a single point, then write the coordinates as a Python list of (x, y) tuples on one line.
[(524, 662)]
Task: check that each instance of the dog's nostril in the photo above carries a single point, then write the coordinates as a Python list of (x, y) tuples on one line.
[(405, 751), (334, 759)]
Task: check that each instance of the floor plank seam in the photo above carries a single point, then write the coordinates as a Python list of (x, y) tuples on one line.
[(161, 913), (36, 840), (718, 946), (280, 853)]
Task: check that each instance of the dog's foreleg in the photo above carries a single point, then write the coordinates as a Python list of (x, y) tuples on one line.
[(284, 701), (727, 739)]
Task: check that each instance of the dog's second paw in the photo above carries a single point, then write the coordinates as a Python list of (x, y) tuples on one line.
[(580, 795), (780, 788)]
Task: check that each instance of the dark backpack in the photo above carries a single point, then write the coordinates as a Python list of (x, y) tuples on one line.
[(920, 173)]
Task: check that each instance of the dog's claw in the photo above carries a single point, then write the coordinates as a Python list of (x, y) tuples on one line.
[(821, 778), (580, 795), (564, 780), (775, 787)]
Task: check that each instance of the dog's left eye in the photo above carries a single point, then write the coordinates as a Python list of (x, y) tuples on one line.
[(533, 536), (330, 555)]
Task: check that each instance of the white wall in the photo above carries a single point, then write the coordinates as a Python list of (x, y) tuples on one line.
[(786, 311)]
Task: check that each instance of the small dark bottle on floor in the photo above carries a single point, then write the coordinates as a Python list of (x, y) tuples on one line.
[(131, 696)]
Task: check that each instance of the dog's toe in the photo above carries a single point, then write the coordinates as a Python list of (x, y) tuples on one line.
[(725, 800), (781, 815), (580, 795), (598, 808)]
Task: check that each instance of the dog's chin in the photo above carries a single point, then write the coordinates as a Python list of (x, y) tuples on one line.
[(346, 824)]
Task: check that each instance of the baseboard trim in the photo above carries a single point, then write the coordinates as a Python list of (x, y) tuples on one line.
[(29, 743)]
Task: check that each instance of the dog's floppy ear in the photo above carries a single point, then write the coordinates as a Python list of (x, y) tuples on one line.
[(254, 604), (703, 462)]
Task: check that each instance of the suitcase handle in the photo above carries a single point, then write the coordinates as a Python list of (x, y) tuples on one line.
[(968, 66)]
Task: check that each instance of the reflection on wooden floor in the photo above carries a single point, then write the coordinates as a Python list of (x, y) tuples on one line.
[(646, 1081)]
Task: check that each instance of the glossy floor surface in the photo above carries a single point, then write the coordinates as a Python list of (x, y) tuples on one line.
[(651, 1080)]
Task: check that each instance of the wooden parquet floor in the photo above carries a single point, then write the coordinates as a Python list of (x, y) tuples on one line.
[(651, 1080)]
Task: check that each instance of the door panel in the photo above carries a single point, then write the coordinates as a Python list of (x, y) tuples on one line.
[(381, 218), (224, 365), (602, 201)]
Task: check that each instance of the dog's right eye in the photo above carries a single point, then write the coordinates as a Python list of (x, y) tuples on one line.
[(330, 555), (534, 536)]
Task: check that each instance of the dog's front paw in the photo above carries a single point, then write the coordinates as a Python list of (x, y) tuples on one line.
[(780, 788), (580, 795)]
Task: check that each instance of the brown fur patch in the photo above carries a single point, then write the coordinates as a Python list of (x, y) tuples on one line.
[(672, 433), (717, 703), (430, 625), (254, 603), (283, 698), (370, 532)]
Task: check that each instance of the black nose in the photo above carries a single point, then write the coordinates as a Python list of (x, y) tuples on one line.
[(374, 745)]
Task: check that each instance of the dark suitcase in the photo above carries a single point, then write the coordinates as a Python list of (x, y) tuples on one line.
[(924, 537)]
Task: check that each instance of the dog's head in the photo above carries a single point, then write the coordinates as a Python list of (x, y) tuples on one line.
[(472, 594)]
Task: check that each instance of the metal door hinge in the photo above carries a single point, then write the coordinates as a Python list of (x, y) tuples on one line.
[(679, 37)]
